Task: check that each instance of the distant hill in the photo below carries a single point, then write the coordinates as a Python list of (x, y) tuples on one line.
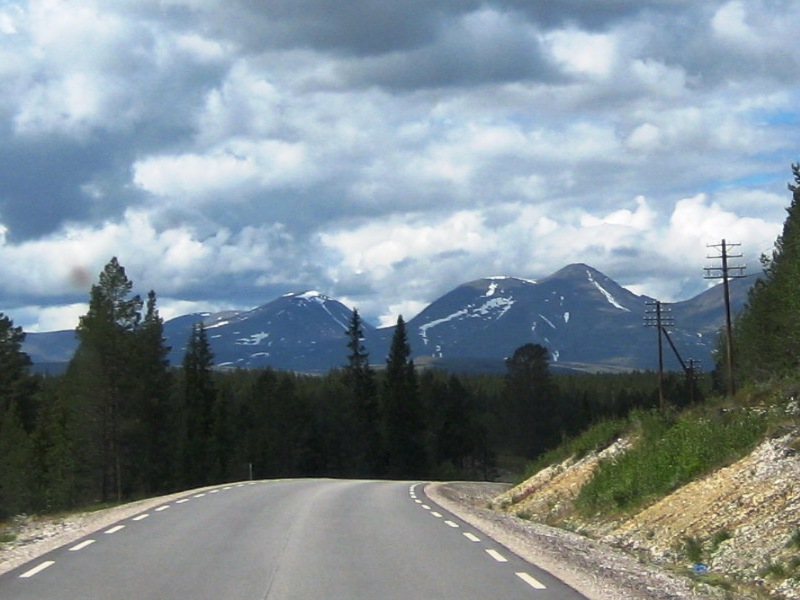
[(587, 321)]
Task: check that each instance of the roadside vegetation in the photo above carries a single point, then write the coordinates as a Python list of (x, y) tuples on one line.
[(670, 450)]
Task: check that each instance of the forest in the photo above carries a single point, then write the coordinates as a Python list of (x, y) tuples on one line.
[(122, 423)]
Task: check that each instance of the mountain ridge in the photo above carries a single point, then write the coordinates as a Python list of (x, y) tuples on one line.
[(585, 319)]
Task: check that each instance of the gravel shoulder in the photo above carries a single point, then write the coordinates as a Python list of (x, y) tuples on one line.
[(597, 571)]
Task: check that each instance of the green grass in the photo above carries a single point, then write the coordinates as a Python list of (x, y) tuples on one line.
[(597, 437), (670, 451), (693, 548), (5, 538)]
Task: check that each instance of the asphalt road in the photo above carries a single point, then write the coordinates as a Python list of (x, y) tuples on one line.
[(292, 539)]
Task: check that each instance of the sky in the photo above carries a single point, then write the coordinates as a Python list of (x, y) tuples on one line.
[(385, 152)]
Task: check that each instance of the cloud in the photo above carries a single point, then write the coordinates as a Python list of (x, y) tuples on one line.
[(385, 152)]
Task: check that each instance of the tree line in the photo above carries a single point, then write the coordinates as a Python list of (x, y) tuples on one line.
[(123, 423), (766, 332)]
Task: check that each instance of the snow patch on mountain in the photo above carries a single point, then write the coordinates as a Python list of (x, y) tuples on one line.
[(253, 340), (606, 293), (507, 277), (312, 295), (338, 321), (489, 308), (548, 321)]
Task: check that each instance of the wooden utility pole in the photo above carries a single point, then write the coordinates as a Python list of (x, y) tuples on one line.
[(657, 318), (726, 272)]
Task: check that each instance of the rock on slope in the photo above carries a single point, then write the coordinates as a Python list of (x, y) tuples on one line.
[(746, 516)]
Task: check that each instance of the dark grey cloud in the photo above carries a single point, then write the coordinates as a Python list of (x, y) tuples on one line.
[(40, 184), (594, 15), (386, 150), (458, 59)]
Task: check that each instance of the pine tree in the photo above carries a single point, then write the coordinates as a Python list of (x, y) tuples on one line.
[(365, 437), (767, 331), (104, 379), (402, 413)]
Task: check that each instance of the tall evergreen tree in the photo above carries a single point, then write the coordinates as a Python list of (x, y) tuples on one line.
[(16, 483), (199, 394), (402, 412), (157, 427), (530, 399), (365, 438), (104, 377), (767, 332), (17, 386)]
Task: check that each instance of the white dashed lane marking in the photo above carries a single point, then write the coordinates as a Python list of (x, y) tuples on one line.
[(532, 581), (81, 546), (84, 544), (37, 569), (526, 577), (114, 529), (496, 555)]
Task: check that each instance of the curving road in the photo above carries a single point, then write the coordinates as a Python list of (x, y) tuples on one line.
[(291, 539)]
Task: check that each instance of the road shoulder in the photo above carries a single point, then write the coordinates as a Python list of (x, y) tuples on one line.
[(597, 571)]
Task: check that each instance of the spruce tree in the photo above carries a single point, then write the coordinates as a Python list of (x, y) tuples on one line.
[(17, 386), (767, 331), (157, 425), (199, 395), (402, 413), (15, 461), (365, 437)]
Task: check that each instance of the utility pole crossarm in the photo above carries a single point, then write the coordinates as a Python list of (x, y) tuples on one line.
[(657, 318), (726, 272)]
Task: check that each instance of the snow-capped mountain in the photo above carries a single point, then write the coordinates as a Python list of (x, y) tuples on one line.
[(298, 331), (586, 320), (578, 313)]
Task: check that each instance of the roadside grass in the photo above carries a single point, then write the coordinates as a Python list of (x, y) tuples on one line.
[(671, 450), (7, 537), (597, 437)]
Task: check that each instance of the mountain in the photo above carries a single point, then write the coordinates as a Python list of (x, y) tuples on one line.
[(297, 332), (578, 313), (585, 319)]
